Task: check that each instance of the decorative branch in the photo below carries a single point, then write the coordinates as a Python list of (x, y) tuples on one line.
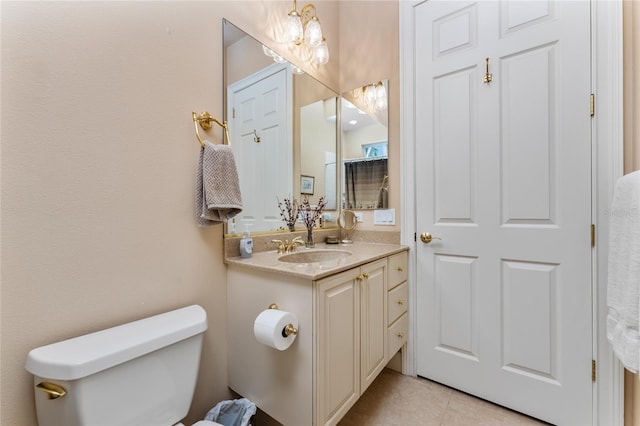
[(288, 212), (311, 214)]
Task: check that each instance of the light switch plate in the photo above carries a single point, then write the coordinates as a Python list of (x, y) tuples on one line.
[(384, 217)]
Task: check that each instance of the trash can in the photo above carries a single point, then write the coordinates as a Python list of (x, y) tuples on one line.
[(236, 412)]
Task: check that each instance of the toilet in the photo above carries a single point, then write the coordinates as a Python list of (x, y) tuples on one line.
[(140, 373)]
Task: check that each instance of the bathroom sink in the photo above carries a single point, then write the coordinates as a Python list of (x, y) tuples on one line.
[(314, 256)]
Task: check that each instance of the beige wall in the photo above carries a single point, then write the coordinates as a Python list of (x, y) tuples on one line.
[(98, 162), (369, 41), (631, 26)]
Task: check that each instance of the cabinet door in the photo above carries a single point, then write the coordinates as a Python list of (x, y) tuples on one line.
[(338, 372), (373, 327)]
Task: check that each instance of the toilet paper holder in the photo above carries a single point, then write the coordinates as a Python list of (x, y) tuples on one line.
[(288, 329)]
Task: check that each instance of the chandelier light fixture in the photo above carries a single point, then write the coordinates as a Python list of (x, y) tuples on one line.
[(375, 96), (304, 28)]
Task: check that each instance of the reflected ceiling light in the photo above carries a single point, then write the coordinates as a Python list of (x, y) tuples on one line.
[(352, 122), (375, 96), (280, 60), (304, 27)]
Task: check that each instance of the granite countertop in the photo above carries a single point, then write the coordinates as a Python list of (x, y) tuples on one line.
[(361, 253)]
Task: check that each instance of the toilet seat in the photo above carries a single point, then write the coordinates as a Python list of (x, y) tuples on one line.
[(202, 423)]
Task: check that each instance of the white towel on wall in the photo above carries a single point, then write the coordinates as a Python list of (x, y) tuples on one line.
[(623, 284), (218, 195)]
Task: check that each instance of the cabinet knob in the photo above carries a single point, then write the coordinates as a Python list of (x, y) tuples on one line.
[(399, 269), (400, 302), (400, 335)]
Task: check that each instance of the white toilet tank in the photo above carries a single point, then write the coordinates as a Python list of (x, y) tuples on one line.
[(140, 373)]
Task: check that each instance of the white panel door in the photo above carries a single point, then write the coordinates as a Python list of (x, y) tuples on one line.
[(503, 177), (260, 108)]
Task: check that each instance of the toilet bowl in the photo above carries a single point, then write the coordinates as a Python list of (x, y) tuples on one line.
[(140, 373)]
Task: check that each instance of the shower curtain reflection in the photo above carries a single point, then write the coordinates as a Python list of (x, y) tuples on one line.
[(366, 184)]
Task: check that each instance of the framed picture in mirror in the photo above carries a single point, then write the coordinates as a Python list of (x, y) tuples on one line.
[(306, 184)]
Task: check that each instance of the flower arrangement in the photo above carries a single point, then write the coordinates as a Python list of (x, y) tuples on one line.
[(289, 212), (310, 216)]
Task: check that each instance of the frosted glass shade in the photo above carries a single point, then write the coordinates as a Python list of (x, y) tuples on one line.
[(381, 97), (321, 53), (294, 28), (313, 33)]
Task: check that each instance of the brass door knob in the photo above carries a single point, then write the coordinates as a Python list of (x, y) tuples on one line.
[(426, 237)]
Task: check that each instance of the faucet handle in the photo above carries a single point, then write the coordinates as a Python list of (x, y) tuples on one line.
[(298, 240), (280, 245)]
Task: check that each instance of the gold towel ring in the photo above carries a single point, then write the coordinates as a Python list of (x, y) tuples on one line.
[(204, 120)]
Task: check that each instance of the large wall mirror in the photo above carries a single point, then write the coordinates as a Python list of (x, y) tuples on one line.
[(364, 139), (283, 132)]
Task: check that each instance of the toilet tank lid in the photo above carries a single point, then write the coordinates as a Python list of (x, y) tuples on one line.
[(85, 355)]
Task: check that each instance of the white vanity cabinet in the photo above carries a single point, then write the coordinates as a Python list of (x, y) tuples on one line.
[(352, 335), (397, 318), (346, 326)]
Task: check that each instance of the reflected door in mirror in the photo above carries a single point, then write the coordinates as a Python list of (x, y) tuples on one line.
[(258, 127)]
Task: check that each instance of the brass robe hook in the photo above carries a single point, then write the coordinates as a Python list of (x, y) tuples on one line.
[(256, 138), (487, 77)]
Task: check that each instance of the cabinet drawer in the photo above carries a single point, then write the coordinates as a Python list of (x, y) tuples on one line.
[(397, 269), (397, 302), (397, 335)]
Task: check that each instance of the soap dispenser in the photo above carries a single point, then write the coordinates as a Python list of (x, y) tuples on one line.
[(246, 243)]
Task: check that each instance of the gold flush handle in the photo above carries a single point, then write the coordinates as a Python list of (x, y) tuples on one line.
[(52, 390), (487, 77), (426, 237)]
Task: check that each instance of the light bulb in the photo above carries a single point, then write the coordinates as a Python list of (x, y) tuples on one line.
[(278, 59), (313, 33), (294, 28), (381, 97), (296, 70), (321, 53), (370, 95), (267, 51)]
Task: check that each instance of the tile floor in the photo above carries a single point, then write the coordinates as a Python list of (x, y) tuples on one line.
[(394, 399)]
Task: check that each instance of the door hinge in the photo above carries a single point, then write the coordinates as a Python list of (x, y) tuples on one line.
[(593, 235), (592, 104), (233, 113), (593, 370), (415, 236)]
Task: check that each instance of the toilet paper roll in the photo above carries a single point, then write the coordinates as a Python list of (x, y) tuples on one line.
[(269, 325)]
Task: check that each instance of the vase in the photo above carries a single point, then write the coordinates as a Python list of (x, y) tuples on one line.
[(309, 243)]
